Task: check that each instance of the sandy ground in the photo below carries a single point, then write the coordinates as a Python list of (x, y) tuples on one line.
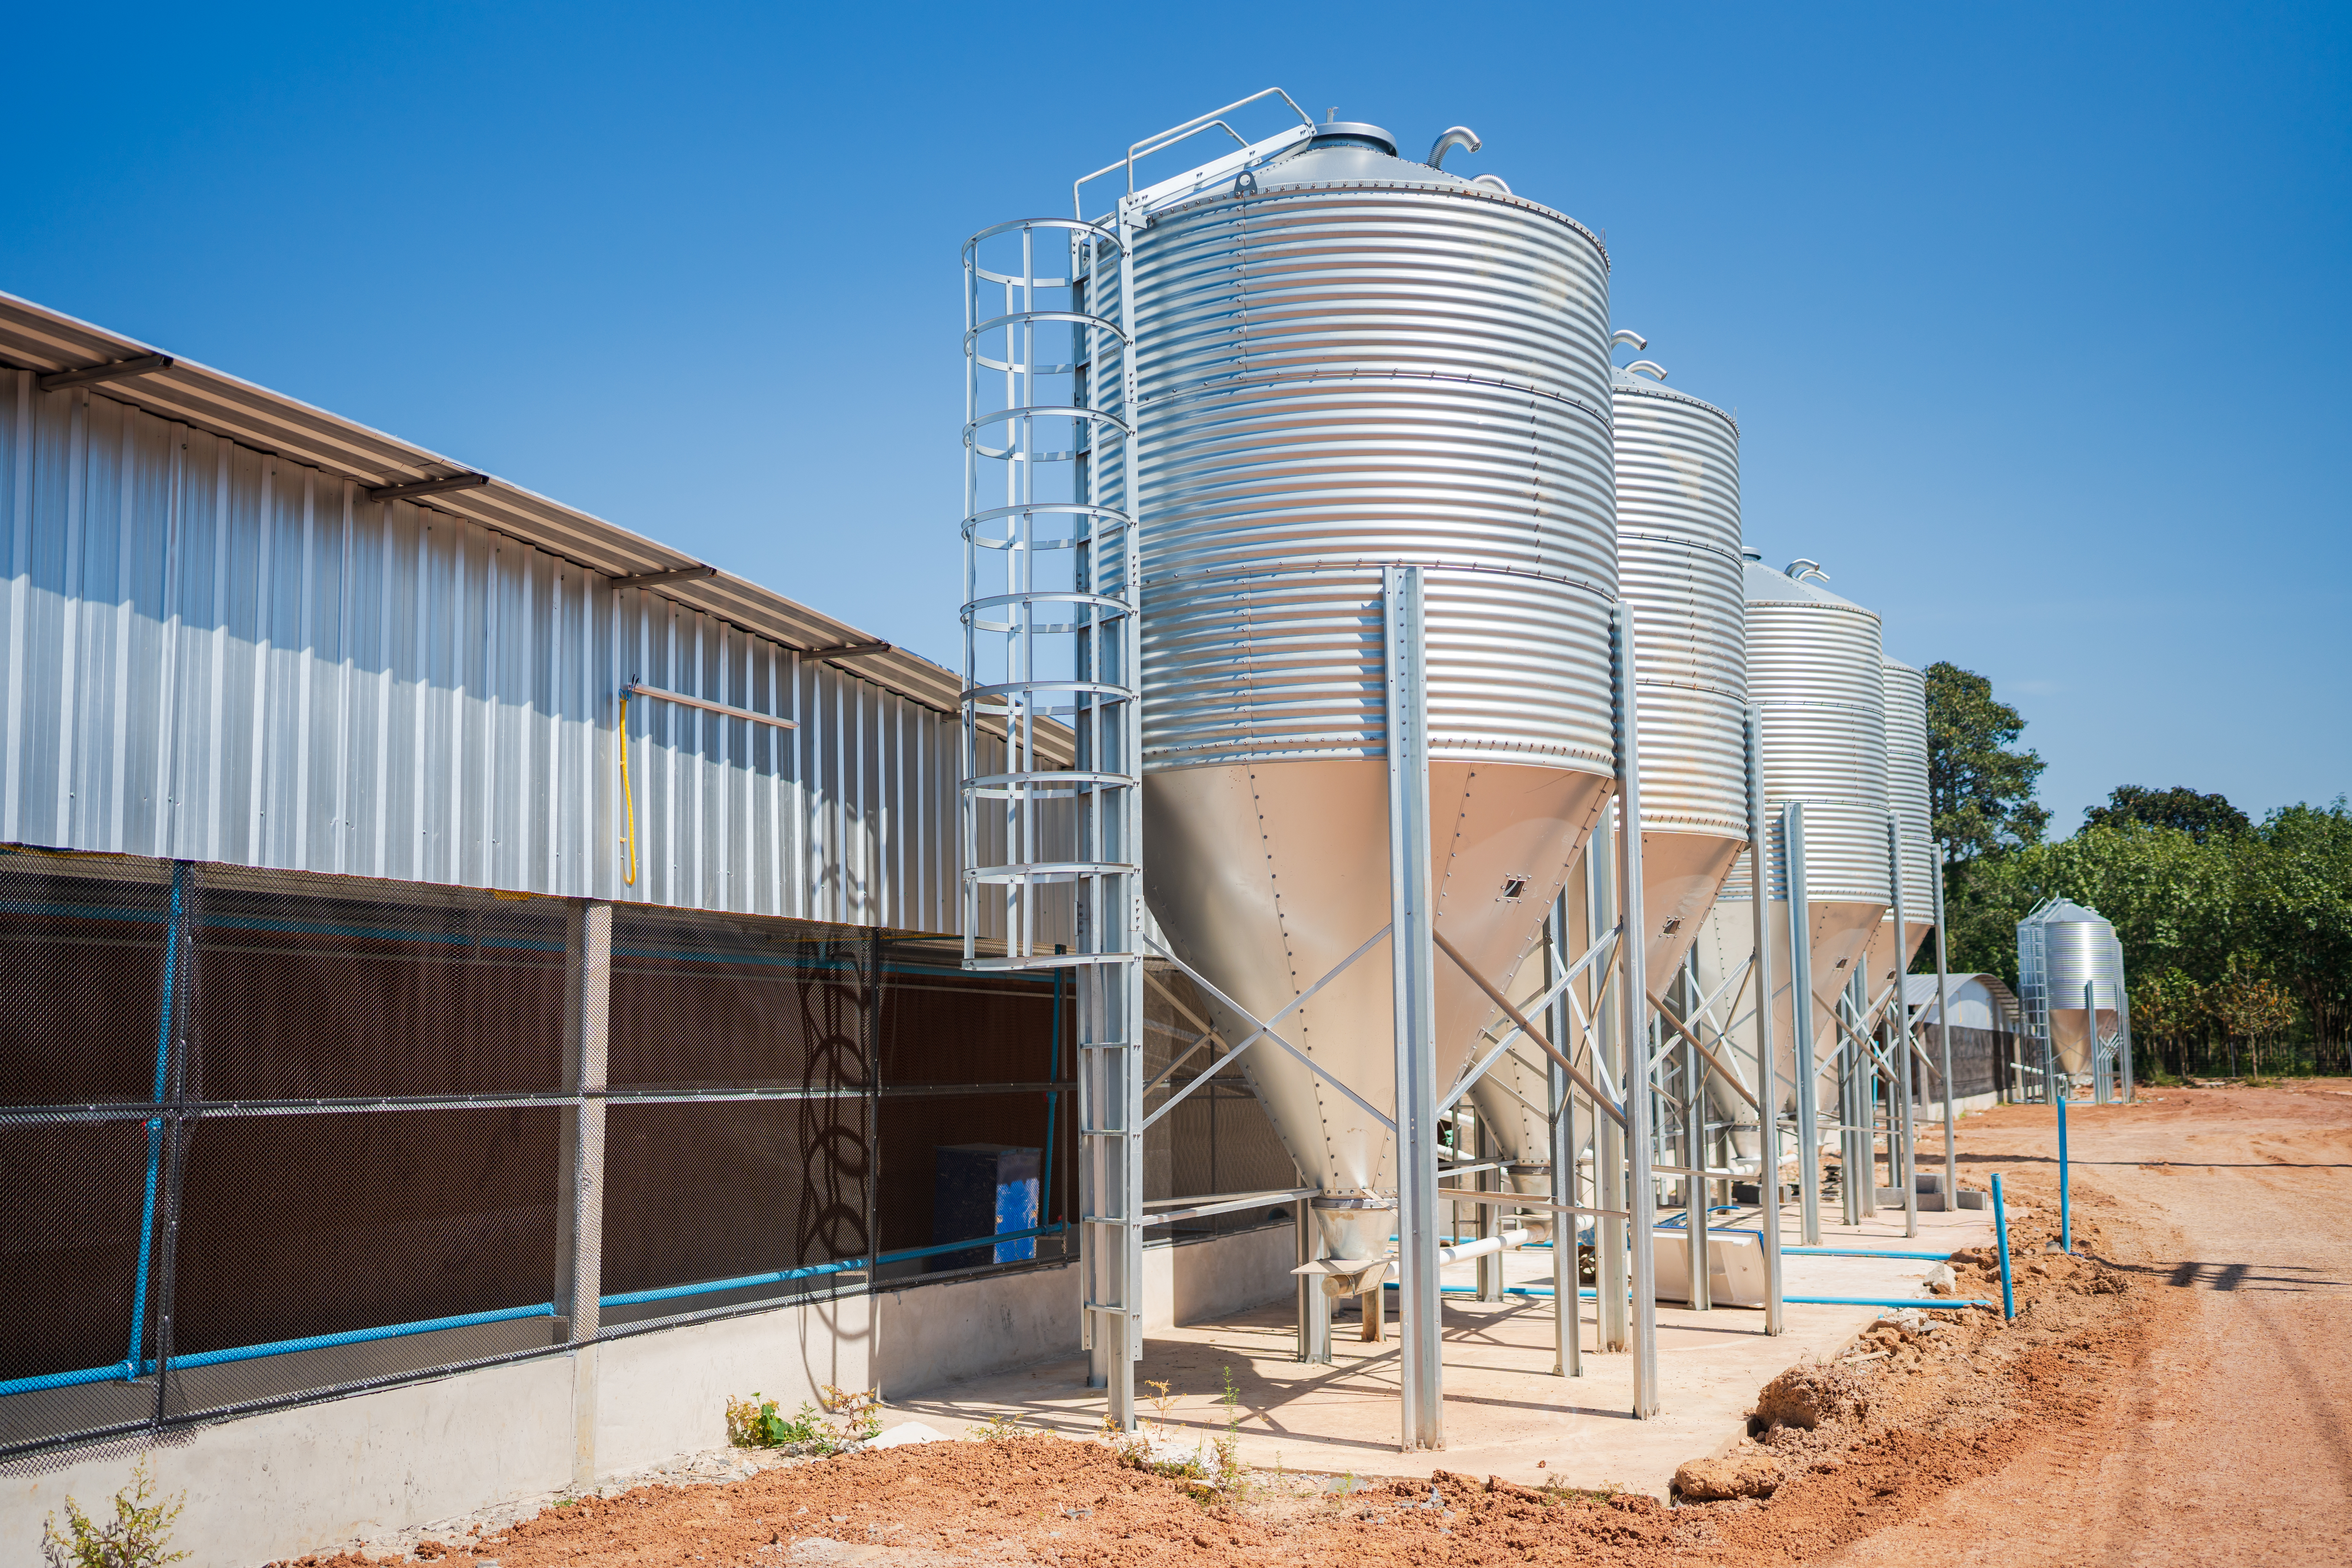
[(2232, 1442), (2171, 1393)]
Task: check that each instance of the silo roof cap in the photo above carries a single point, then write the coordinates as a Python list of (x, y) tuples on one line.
[(1350, 151), (1768, 586)]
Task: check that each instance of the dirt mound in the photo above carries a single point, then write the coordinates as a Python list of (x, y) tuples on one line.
[(1745, 1472), (1806, 1396)]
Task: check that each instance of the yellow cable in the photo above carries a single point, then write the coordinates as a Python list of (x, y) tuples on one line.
[(628, 801)]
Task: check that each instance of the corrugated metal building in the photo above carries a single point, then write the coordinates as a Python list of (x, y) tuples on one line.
[(347, 1052), (296, 1104), (223, 642)]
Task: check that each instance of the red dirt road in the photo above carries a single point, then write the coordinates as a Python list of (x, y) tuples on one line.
[(2233, 1442)]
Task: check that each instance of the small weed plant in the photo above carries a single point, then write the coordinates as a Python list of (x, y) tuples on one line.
[(846, 1420), (857, 1416), (139, 1536), (1210, 1471), (758, 1423), (998, 1428)]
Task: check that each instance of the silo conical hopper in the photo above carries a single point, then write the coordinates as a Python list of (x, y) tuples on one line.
[(1907, 793), (1814, 675), (1679, 567), (1346, 360)]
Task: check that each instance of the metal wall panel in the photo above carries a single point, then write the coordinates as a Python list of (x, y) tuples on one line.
[(209, 653)]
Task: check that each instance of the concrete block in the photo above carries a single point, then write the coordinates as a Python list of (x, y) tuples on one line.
[(1735, 1268)]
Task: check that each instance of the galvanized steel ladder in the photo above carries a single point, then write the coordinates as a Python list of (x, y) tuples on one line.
[(1051, 807)]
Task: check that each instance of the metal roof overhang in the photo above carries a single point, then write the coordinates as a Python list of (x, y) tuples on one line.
[(33, 337)]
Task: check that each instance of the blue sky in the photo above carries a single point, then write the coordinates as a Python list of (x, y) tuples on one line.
[(2035, 318)]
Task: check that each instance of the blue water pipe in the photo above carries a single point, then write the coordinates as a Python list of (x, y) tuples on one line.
[(1053, 1103), (280, 1347), (174, 936), (1929, 1303), (504, 1314), (2065, 1213), (2001, 1234)]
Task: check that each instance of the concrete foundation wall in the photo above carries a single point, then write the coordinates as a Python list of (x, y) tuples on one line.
[(1197, 1279), (663, 1394), (301, 1480), (931, 1335)]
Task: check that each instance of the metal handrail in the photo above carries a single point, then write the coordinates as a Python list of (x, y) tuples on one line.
[(1162, 140)]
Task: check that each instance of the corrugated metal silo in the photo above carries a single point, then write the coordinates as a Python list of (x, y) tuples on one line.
[(1906, 794), (1679, 567), (2062, 947), (1349, 360), (1815, 675)]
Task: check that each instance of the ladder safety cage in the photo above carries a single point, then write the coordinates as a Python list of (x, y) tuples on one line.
[(1050, 809)]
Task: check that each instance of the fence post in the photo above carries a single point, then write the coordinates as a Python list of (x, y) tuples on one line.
[(580, 1196)]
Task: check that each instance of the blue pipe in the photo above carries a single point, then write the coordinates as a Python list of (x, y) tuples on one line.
[(1862, 1252), (277, 1347), (2065, 1213), (2001, 1234), (707, 1287), (128, 1368), (1053, 1103), (450, 939), (174, 934), (1507, 1291), (1932, 1303)]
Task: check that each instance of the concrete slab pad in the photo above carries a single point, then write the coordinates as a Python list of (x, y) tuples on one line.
[(1507, 1412)]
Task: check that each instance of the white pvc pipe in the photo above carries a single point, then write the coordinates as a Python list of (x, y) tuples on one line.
[(1484, 1247)]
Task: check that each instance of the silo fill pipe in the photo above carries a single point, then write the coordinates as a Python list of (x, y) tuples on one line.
[(1451, 137)]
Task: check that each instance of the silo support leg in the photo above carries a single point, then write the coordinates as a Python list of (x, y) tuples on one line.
[(1412, 918)]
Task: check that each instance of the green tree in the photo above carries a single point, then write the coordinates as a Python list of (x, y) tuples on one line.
[(2295, 886), (2167, 1008), (1979, 791), (2250, 1008), (2199, 816)]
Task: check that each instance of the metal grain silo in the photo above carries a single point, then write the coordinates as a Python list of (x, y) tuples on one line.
[(1679, 567), (2063, 946), (1906, 692), (1815, 675), (1348, 361)]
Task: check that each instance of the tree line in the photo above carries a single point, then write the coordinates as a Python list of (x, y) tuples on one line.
[(2237, 934)]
